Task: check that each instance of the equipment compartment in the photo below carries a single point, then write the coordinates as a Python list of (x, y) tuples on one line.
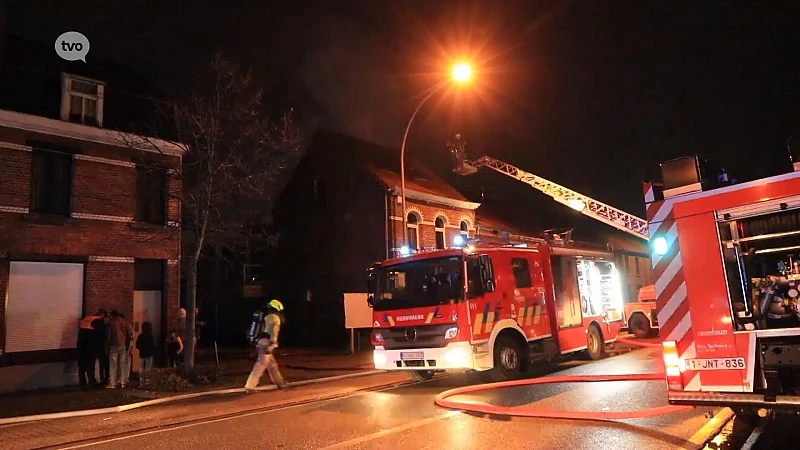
[(762, 264)]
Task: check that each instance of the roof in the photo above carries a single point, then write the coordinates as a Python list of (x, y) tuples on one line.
[(44, 125), (384, 163)]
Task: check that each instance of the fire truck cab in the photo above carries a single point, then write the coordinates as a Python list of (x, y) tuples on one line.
[(493, 308), (640, 315), (726, 260)]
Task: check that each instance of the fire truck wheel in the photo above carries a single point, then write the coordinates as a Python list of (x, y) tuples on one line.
[(509, 359), (640, 325), (421, 375), (595, 346)]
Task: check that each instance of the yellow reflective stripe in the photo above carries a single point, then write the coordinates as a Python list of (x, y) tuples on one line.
[(478, 319), (430, 318), (537, 314)]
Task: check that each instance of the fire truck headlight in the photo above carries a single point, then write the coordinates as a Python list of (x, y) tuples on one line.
[(405, 250), (457, 357), (451, 333), (379, 358), (660, 246)]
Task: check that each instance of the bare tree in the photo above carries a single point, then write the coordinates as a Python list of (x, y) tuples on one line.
[(234, 154)]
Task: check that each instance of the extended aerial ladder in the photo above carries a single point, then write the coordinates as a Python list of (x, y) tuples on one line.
[(588, 206), (639, 315)]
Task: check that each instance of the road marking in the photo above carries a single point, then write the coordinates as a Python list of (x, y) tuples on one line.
[(222, 419), (388, 431), (751, 441), (712, 427)]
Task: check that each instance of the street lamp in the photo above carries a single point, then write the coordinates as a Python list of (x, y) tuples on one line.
[(462, 73)]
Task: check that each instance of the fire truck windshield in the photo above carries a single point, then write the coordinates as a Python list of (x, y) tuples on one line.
[(427, 282)]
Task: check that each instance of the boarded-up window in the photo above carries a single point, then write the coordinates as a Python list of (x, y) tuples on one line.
[(45, 305)]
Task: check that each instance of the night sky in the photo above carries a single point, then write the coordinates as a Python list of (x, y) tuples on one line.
[(590, 94)]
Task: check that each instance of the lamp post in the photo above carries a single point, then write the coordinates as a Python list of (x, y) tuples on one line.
[(462, 73)]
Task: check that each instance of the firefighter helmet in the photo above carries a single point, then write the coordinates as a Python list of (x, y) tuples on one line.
[(275, 304)]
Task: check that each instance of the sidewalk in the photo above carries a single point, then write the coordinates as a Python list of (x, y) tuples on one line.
[(295, 367)]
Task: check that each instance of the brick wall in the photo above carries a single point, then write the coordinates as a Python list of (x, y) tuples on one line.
[(4, 268), (428, 214), (15, 175), (19, 235), (109, 285), (174, 199), (173, 293), (103, 189)]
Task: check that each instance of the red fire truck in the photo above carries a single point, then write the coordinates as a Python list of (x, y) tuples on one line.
[(493, 308), (726, 261)]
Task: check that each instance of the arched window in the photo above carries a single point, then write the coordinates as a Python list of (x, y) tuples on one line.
[(439, 225), (464, 229), (412, 233)]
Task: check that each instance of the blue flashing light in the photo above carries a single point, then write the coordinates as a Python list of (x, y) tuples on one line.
[(459, 241), (405, 250), (660, 246)]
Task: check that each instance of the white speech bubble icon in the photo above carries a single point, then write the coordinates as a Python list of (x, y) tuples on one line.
[(72, 46)]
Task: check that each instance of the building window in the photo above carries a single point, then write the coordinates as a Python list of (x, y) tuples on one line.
[(51, 183), (464, 229), (412, 232), (82, 100), (439, 225), (151, 195)]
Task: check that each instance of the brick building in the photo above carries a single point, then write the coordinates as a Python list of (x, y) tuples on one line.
[(86, 219), (341, 212)]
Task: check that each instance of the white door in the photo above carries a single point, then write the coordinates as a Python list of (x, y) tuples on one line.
[(44, 306), (146, 308)]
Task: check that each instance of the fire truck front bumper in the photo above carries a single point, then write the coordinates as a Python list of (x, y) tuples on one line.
[(734, 400), (456, 355)]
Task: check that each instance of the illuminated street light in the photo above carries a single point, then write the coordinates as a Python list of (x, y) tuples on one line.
[(462, 73)]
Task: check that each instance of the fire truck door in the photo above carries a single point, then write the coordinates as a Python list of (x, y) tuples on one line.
[(529, 296), (568, 300)]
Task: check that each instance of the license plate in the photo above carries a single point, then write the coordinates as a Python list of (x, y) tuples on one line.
[(411, 355), (715, 364)]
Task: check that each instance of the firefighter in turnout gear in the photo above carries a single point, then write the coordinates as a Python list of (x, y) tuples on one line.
[(266, 343)]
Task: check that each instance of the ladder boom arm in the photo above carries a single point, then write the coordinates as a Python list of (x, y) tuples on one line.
[(588, 206)]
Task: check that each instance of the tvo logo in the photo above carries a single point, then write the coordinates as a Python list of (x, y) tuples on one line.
[(72, 46)]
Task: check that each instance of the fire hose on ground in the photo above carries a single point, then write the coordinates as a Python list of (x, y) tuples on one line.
[(531, 411)]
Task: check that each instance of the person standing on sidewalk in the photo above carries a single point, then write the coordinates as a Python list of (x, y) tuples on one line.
[(266, 344), (87, 347), (117, 343), (126, 369), (146, 344), (100, 326), (174, 349)]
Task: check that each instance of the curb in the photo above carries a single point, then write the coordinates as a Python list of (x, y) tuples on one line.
[(711, 428), (175, 398)]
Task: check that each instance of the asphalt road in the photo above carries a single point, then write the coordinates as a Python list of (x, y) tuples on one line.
[(406, 417)]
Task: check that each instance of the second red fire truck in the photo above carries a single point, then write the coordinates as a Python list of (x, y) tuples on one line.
[(726, 261), (493, 308)]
